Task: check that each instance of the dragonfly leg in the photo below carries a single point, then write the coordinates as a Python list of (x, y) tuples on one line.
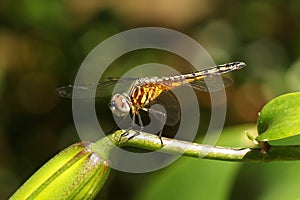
[(161, 116), (139, 125), (133, 121), (126, 133), (136, 133), (128, 129), (133, 127), (159, 136), (140, 122)]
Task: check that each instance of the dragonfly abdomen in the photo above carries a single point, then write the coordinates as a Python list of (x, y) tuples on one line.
[(216, 70)]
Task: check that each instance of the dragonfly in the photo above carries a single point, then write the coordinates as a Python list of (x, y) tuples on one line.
[(144, 91)]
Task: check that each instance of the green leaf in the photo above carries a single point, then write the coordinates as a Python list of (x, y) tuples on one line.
[(280, 118)]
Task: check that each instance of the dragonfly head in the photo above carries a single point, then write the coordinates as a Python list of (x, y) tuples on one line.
[(120, 105)]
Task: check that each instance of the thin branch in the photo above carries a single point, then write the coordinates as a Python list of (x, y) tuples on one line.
[(172, 146)]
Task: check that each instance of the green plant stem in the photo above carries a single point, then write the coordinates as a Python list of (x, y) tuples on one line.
[(172, 146)]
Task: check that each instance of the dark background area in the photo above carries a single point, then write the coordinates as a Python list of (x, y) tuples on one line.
[(42, 44)]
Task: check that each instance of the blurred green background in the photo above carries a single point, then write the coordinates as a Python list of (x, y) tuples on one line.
[(42, 44)]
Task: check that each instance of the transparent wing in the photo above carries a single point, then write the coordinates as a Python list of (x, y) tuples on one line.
[(211, 84), (168, 100), (85, 91)]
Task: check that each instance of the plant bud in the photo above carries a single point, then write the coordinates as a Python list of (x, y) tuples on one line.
[(77, 172)]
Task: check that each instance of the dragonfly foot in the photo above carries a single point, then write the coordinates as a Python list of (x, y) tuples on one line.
[(127, 132), (159, 136)]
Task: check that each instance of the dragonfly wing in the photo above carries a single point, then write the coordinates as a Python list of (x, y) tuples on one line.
[(103, 88), (65, 91), (211, 84), (86, 91), (168, 100)]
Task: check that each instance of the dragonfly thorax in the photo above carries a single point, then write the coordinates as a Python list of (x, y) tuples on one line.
[(120, 104)]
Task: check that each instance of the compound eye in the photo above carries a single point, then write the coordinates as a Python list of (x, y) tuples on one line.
[(119, 105), (112, 105)]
